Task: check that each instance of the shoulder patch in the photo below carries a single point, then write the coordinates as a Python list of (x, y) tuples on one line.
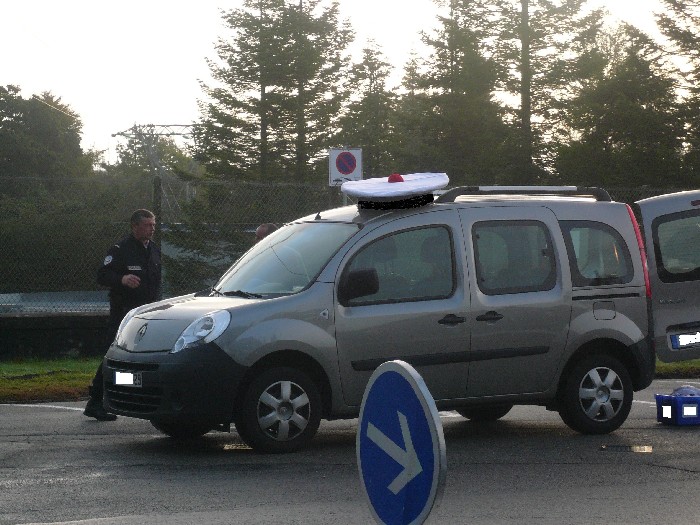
[(108, 260)]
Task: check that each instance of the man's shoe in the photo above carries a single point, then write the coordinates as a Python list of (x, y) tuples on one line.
[(93, 409)]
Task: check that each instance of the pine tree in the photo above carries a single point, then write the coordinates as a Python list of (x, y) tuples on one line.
[(280, 91), (679, 22), (450, 105), (537, 45), (625, 124), (367, 120)]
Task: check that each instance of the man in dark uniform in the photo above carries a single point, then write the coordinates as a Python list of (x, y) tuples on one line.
[(132, 271)]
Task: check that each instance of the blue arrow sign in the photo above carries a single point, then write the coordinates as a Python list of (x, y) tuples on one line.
[(400, 446)]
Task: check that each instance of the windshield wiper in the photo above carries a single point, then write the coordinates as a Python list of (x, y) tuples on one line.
[(241, 293)]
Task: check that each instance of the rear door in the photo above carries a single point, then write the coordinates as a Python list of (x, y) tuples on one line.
[(520, 309), (672, 233)]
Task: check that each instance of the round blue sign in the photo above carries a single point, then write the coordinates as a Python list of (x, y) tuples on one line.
[(400, 446)]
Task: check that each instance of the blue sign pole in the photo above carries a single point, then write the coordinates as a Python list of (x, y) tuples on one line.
[(400, 446)]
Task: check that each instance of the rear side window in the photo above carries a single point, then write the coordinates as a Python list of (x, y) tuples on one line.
[(513, 257), (598, 255), (677, 246)]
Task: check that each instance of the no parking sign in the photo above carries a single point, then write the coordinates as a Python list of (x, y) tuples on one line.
[(344, 164)]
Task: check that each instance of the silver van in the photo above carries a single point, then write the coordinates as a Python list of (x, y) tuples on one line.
[(497, 296)]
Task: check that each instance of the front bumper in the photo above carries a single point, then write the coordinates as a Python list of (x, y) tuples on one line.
[(197, 385)]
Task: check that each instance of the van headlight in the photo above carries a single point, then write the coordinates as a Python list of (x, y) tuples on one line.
[(128, 317), (203, 330)]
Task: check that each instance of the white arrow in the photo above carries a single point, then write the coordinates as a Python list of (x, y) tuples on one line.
[(408, 458)]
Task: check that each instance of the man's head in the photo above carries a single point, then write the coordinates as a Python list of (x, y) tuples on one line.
[(264, 230), (143, 225)]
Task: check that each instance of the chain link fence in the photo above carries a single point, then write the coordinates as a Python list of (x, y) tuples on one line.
[(54, 234)]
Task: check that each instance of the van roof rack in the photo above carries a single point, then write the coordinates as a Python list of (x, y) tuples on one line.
[(598, 194)]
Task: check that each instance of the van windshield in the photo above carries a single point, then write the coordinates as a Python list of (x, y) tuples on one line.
[(286, 261)]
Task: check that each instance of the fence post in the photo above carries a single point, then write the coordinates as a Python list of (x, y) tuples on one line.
[(157, 199)]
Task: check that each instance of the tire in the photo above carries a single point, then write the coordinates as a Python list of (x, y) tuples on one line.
[(596, 397), (485, 413), (182, 430), (280, 411)]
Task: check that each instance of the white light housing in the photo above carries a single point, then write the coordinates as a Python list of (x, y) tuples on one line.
[(129, 315), (203, 330)]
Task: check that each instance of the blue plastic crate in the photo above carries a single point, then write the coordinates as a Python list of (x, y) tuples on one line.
[(678, 410)]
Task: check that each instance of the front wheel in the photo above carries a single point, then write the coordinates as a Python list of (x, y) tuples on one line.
[(280, 412), (596, 397)]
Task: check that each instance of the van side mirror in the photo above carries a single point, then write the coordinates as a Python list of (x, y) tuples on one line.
[(358, 283)]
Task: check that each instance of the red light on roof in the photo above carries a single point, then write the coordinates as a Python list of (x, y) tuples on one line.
[(395, 177)]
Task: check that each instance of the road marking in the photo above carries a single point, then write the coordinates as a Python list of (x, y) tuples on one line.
[(41, 406)]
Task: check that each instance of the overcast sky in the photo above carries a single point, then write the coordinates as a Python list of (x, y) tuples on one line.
[(140, 61)]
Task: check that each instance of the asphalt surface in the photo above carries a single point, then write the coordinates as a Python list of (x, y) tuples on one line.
[(57, 466)]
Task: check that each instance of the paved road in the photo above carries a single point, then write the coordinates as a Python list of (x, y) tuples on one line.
[(56, 466)]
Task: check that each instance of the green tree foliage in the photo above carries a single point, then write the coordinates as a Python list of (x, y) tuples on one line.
[(536, 46), (40, 137), (449, 105), (45, 184), (279, 95), (625, 124), (679, 21), (366, 123)]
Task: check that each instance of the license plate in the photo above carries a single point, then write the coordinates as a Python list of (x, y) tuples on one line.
[(683, 340), (128, 379)]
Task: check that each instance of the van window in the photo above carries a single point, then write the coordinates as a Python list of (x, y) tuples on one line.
[(513, 257), (597, 254), (412, 265), (286, 261), (677, 246)]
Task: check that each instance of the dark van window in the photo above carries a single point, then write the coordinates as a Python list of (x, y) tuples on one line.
[(412, 265), (597, 254), (513, 257), (677, 246)]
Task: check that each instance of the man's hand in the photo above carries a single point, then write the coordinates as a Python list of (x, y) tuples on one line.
[(130, 280)]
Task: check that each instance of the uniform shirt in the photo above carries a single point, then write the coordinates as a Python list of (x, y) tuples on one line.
[(130, 256)]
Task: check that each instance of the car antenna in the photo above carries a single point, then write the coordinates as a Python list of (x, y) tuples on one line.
[(318, 216)]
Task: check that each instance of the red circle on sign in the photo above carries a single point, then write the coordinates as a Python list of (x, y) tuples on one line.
[(346, 163)]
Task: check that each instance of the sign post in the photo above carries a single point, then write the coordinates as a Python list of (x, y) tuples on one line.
[(400, 446), (344, 164)]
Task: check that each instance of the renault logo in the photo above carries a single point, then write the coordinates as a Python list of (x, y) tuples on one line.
[(141, 333)]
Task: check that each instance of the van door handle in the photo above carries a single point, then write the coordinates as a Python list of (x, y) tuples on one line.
[(452, 319), (490, 317)]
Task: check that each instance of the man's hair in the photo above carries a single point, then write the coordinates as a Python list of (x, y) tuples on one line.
[(139, 215), (269, 228), (264, 230)]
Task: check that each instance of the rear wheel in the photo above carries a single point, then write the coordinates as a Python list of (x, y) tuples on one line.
[(280, 412), (597, 395), (484, 413), (182, 430)]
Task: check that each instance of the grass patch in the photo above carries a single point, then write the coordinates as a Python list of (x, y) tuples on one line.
[(33, 380), (680, 370)]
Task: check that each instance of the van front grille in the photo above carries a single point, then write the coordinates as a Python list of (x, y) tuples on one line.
[(129, 399)]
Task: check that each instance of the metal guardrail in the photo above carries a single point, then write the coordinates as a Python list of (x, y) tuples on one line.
[(43, 304)]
